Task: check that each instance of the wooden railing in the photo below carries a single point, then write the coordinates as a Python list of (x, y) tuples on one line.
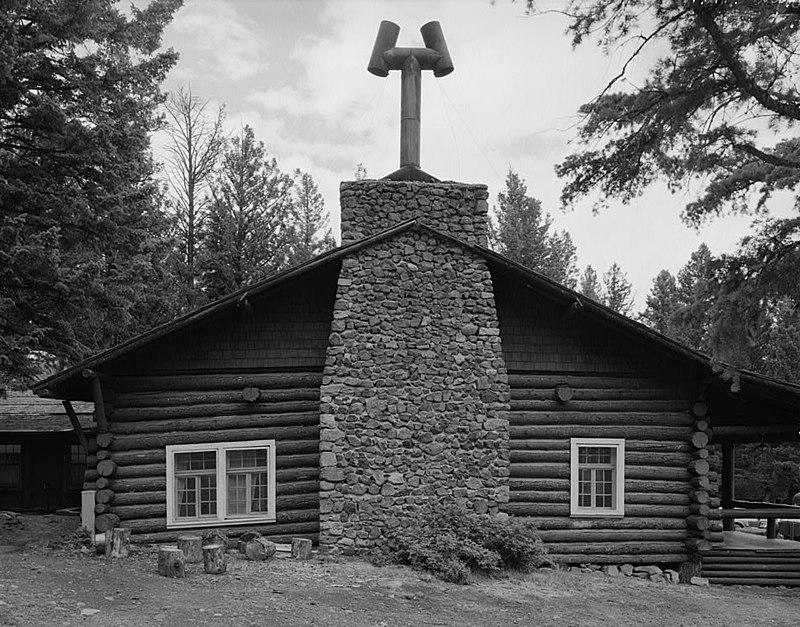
[(756, 509)]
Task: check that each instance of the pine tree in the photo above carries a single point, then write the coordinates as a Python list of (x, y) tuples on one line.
[(617, 290), (82, 233), (522, 233), (662, 303), (311, 234), (590, 285), (247, 232), (697, 293)]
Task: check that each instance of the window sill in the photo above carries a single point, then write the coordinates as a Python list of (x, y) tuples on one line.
[(214, 522), (597, 514)]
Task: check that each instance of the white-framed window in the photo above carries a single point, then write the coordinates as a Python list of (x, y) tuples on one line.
[(226, 483), (597, 477)]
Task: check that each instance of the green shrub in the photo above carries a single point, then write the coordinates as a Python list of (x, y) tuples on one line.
[(453, 543)]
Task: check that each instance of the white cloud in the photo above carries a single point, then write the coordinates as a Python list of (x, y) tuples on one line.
[(296, 72), (220, 42)]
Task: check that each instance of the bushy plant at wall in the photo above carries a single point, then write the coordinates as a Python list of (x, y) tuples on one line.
[(455, 544)]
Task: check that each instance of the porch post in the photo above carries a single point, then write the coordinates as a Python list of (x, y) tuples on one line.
[(727, 489)]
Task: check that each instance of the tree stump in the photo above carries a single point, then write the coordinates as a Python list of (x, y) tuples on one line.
[(259, 549), (301, 548), (171, 562), (192, 547), (118, 542), (214, 559), (245, 538), (215, 536)]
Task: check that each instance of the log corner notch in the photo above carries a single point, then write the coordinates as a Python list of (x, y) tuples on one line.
[(97, 397), (702, 524)]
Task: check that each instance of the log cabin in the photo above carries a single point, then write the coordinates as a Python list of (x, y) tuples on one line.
[(411, 364), (42, 460)]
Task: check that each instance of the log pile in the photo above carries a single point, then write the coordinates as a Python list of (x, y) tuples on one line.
[(661, 464), (128, 464)]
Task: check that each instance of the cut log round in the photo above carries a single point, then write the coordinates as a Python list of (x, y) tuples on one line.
[(700, 439), (104, 496), (259, 549), (192, 547), (564, 393), (251, 394), (171, 562), (699, 467), (101, 508), (104, 440), (106, 468), (698, 509), (699, 496), (105, 522), (699, 408), (301, 548), (118, 542), (103, 454), (702, 482), (702, 425), (697, 522), (102, 483), (214, 559)]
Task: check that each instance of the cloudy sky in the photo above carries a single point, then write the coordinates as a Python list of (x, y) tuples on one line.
[(296, 72)]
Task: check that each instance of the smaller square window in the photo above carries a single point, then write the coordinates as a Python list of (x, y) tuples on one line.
[(597, 477)]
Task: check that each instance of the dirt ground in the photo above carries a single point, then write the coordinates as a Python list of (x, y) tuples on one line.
[(46, 579)]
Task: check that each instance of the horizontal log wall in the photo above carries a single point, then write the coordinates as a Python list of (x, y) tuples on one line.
[(654, 419), (147, 413)]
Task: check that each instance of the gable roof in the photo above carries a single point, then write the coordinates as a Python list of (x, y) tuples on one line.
[(787, 394)]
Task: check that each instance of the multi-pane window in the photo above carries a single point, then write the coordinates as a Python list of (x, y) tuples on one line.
[(196, 484), (226, 483), (11, 465), (248, 483), (77, 465), (597, 477)]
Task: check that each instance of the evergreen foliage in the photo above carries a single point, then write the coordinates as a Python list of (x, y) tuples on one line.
[(83, 240), (589, 285), (311, 234), (617, 290), (719, 103), (247, 233), (523, 234)]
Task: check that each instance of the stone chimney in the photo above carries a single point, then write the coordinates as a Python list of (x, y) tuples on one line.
[(459, 209), (415, 395)]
